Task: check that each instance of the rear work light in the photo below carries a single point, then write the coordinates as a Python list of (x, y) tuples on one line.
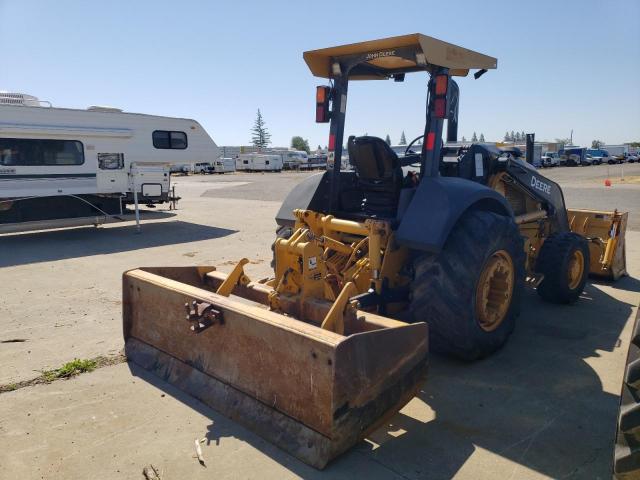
[(442, 82), (440, 100), (323, 96), (440, 107)]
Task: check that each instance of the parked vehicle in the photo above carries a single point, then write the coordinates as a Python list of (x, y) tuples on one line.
[(224, 165), (291, 159), (184, 169), (616, 150), (203, 168), (259, 162), (58, 164), (316, 162), (598, 155), (617, 153), (574, 156), (550, 159)]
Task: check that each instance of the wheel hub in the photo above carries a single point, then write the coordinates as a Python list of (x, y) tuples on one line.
[(575, 270), (494, 290)]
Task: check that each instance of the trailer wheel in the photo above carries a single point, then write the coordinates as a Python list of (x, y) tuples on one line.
[(564, 262), (469, 293)]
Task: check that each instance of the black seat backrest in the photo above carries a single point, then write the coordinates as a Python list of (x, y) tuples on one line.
[(378, 175), (476, 162), (375, 163)]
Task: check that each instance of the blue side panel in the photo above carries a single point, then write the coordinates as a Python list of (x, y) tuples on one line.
[(436, 207)]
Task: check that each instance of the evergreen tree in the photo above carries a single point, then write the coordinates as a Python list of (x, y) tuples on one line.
[(482, 138), (403, 139), (523, 136), (388, 139), (506, 136), (513, 136), (260, 136), (463, 139), (517, 138), (474, 138)]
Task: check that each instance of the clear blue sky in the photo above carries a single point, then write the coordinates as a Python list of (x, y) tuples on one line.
[(562, 65)]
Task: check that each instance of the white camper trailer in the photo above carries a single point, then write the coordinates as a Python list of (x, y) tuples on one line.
[(224, 165), (60, 163), (292, 159), (258, 162)]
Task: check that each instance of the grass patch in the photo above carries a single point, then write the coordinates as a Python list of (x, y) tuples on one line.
[(629, 180), (69, 369)]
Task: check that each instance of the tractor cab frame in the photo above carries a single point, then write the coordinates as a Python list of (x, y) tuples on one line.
[(393, 58)]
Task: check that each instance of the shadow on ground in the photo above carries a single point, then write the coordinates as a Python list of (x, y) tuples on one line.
[(537, 402), (46, 246)]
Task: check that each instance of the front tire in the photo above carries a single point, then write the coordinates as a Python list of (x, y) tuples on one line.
[(564, 262), (469, 294)]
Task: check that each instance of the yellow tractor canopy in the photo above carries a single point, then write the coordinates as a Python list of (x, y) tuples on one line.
[(382, 60)]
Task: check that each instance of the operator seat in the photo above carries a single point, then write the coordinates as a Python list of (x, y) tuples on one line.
[(476, 162), (378, 173)]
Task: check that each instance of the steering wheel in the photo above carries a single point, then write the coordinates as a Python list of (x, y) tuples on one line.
[(406, 150)]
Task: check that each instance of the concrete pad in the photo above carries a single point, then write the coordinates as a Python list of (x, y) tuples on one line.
[(544, 406), (62, 288), (111, 423)]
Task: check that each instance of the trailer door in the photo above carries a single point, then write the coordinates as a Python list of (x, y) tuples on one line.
[(112, 177)]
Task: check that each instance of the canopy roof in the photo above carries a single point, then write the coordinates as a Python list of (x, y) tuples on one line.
[(380, 59)]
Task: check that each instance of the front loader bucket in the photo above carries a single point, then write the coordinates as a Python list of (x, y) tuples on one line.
[(312, 392), (606, 234)]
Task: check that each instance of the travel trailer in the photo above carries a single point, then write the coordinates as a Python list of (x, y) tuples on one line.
[(258, 162), (61, 164), (291, 159), (224, 165)]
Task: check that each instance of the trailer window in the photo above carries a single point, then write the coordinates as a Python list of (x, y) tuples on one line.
[(34, 152), (165, 139)]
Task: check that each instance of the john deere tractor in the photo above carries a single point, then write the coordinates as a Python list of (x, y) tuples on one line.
[(372, 266)]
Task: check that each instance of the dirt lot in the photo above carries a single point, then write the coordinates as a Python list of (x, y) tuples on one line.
[(545, 405)]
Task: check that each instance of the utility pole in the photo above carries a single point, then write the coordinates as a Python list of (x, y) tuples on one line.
[(571, 137)]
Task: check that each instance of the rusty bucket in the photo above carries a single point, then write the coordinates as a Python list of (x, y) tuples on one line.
[(312, 392)]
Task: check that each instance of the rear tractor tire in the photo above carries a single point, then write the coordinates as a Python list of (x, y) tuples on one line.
[(564, 262), (469, 293)]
